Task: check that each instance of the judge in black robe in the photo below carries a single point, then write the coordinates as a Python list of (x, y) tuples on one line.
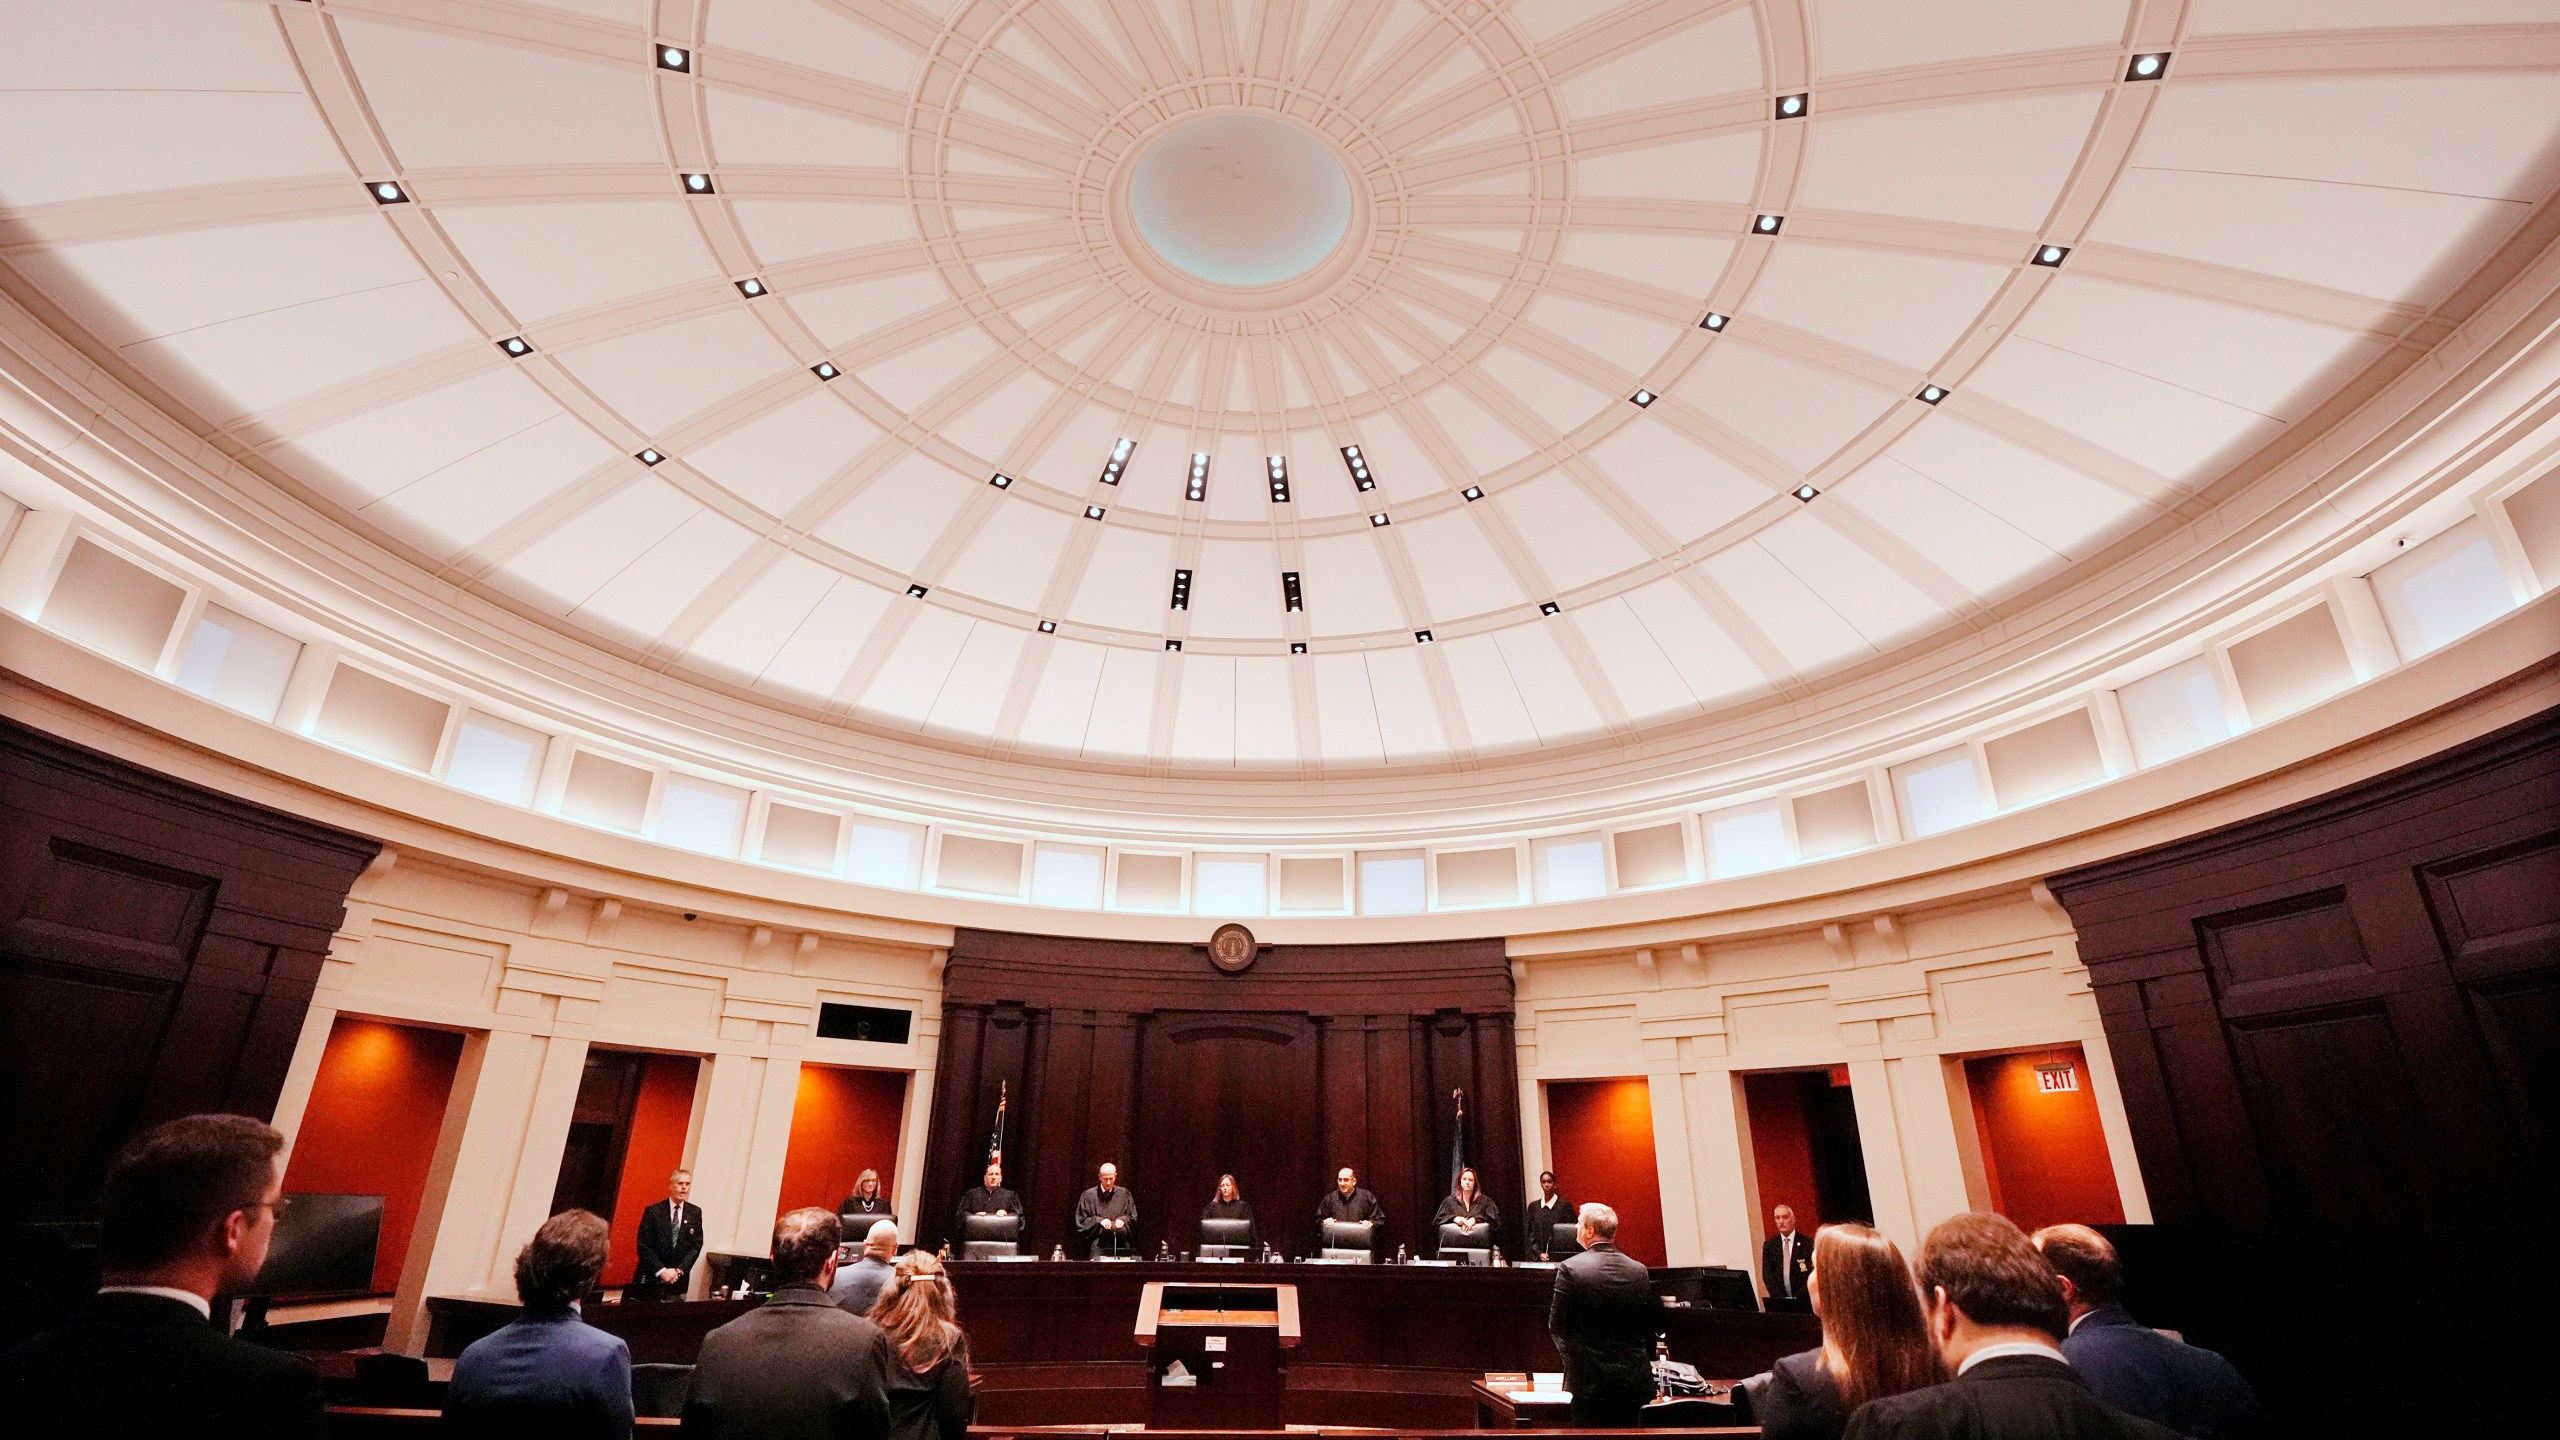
[(1107, 1216), (1230, 1204), (988, 1198), (1350, 1200), (1546, 1212), (1471, 1210)]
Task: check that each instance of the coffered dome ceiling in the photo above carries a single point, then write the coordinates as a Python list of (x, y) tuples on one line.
[(1444, 379)]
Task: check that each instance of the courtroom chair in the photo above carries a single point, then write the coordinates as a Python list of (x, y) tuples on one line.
[(660, 1389), (1456, 1244), (390, 1379), (990, 1237), (1225, 1239), (1566, 1240), (1351, 1240)]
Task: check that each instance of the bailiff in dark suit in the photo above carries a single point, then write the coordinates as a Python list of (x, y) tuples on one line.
[(796, 1368), (131, 1365), (666, 1244), (2008, 1397), (1782, 1270), (546, 1375), (1602, 1318), (2140, 1371)]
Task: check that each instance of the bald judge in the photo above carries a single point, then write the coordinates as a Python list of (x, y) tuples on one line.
[(1106, 1214)]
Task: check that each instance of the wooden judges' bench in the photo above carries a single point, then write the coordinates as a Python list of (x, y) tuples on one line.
[(1380, 1345)]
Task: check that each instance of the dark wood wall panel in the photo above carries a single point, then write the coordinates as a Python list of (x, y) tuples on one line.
[(2335, 1027), (1145, 1054)]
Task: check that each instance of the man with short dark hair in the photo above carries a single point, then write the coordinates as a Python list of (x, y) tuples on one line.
[(1995, 1312), (2133, 1367), (796, 1366), (1602, 1318), (1350, 1202), (547, 1374), (856, 1285), (988, 1197), (186, 1214)]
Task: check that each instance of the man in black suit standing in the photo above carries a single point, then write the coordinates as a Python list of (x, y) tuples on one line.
[(1602, 1318), (670, 1241), (1786, 1261), (1546, 1212), (187, 1211), (1995, 1312), (798, 1367)]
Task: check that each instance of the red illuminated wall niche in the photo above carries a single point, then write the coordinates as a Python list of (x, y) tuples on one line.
[(660, 1122), (370, 1129), (1781, 1151), (1601, 1135), (843, 1122), (2042, 1150)]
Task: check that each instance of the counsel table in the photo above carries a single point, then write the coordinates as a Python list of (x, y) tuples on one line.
[(1391, 1345)]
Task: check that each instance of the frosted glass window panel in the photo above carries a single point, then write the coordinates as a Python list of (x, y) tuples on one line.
[(1229, 884), (2176, 712), (2442, 590), (494, 758), (372, 716), (606, 792), (801, 839), (884, 855), (1149, 882), (1066, 877), (112, 605), (698, 815), (1940, 793), (1746, 842), (235, 661), (1391, 885), (1571, 869)]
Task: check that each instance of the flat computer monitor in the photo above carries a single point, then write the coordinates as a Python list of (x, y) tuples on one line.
[(1230, 1234), (323, 1245)]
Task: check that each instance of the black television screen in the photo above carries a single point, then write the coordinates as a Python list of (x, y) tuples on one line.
[(324, 1245)]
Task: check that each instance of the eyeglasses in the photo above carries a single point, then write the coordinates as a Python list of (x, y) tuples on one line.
[(279, 1205)]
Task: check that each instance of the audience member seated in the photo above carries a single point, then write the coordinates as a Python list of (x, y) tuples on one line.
[(186, 1213), (1874, 1341), (2133, 1367), (547, 1373), (1996, 1314), (1471, 1211), (1602, 1318), (929, 1394), (860, 1283), (796, 1367)]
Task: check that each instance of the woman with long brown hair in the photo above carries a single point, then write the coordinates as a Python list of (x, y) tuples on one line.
[(1874, 1341), (929, 1395)]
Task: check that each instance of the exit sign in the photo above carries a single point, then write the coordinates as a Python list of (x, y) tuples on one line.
[(2053, 1078)]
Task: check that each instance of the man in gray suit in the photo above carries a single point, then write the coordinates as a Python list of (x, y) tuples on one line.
[(1603, 1318), (860, 1283), (797, 1367)]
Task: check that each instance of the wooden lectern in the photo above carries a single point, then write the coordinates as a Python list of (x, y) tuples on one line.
[(1216, 1356)]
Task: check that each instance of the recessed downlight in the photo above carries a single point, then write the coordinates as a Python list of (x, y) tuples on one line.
[(825, 370), (1173, 645), (1093, 512), (2050, 256), (698, 182), (1291, 596), (387, 192), (1118, 463), (1000, 480), (1197, 488), (2148, 67), (1642, 398), (751, 287), (916, 591), (1716, 320), (1806, 492), (1181, 590), (1473, 492), (1421, 637), (1794, 107), (1279, 468), (1297, 647), (515, 347), (648, 456), (671, 57), (1768, 224), (1378, 519), (1048, 627), (1358, 465), (1932, 394), (1548, 607)]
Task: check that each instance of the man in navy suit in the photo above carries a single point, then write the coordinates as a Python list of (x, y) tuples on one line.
[(1602, 1318), (187, 1212), (547, 1373), (670, 1241), (2133, 1367)]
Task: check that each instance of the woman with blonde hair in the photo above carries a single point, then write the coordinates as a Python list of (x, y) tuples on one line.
[(929, 1395), (1874, 1341)]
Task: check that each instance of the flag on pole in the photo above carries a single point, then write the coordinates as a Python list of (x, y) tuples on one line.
[(995, 1142), (1458, 1140)]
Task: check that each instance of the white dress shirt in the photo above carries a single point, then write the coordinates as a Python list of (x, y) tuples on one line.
[(189, 1298), (2014, 1347)]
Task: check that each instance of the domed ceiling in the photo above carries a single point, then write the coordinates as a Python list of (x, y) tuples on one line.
[(1327, 384)]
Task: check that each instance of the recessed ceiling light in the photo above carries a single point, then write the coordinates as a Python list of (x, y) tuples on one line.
[(751, 287), (649, 456), (1358, 464), (1198, 487), (1297, 647), (672, 58), (1048, 627), (1279, 480), (1174, 645), (697, 182), (1000, 480), (1290, 595), (1806, 492), (2050, 256), (1767, 224), (1642, 398), (1794, 107), (1119, 461), (1181, 589), (825, 370), (1421, 637), (2148, 67), (916, 591), (1548, 607), (1473, 492), (515, 345), (1932, 394), (386, 192), (1378, 519), (1093, 512), (1716, 320)]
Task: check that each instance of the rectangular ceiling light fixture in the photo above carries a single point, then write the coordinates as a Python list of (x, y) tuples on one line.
[(1119, 461), (1198, 489)]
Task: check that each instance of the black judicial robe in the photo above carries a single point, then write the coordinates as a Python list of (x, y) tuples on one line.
[(1482, 1210), (979, 1200), (1358, 1205), (1094, 1207), (1541, 1222), (1237, 1209)]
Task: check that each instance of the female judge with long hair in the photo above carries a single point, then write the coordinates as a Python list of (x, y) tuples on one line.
[(1874, 1341), (929, 1396)]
